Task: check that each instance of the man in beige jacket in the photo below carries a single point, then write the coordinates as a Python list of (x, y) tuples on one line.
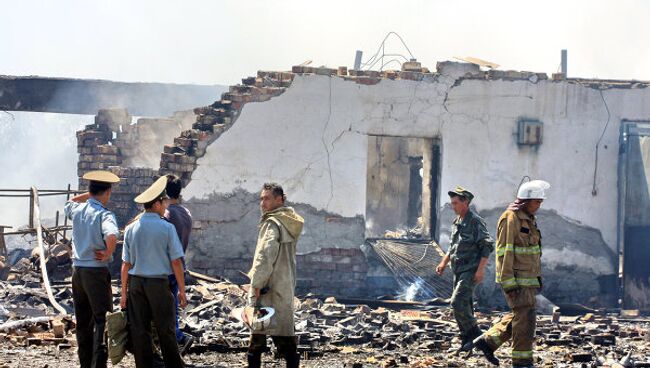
[(273, 275)]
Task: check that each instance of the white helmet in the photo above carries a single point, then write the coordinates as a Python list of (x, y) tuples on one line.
[(257, 319), (535, 189)]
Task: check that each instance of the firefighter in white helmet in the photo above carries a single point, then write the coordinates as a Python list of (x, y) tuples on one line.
[(518, 271)]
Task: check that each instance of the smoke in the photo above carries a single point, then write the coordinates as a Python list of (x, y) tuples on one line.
[(412, 290), (415, 291), (143, 99), (37, 149), (40, 148)]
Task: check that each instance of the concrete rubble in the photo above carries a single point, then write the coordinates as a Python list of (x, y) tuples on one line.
[(348, 333)]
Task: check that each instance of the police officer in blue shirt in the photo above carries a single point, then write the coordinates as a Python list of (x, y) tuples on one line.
[(151, 252), (94, 236)]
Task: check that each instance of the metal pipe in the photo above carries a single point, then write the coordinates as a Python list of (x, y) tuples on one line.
[(42, 195), (65, 218), (62, 191), (357, 60), (31, 210), (41, 250), (31, 231)]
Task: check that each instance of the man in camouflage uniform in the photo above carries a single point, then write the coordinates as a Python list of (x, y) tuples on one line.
[(469, 249), (518, 271)]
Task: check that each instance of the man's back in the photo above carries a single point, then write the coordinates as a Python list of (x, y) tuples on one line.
[(181, 218), (150, 244), (91, 223)]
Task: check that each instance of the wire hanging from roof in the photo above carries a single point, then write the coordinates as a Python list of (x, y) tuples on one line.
[(379, 56)]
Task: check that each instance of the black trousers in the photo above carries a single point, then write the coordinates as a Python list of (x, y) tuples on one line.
[(287, 345), (151, 300), (92, 296)]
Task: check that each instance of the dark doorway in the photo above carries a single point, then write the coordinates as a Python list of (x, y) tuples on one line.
[(415, 191), (402, 187)]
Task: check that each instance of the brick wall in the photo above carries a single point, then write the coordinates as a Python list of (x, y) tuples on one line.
[(330, 271), (99, 149), (179, 158)]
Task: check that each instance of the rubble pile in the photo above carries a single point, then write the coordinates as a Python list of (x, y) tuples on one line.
[(371, 334)]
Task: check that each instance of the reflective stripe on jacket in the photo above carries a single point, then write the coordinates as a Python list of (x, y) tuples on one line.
[(518, 251)]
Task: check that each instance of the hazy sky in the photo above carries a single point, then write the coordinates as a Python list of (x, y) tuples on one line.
[(221, 41)]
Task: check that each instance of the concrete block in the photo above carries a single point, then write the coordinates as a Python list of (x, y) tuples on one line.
[(58, 328), (325, 71), (412, 66)]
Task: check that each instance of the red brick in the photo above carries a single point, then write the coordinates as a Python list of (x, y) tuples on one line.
[(369, 81)]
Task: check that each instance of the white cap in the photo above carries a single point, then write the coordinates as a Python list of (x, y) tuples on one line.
[(535, 189)]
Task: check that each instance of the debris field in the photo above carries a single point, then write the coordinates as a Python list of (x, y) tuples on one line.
[(331, 332)]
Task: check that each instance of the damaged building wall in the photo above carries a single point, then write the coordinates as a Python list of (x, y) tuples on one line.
[(130, 149), (313, 138), (311, 131), (315, 176)]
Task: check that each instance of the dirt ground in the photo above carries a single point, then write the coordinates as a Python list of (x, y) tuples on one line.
[(51, 357)]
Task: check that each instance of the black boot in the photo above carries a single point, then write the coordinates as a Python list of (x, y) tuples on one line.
[(463, 341), (471, 336), (474, 333), (254, 360), (483, 346), (293, 360)]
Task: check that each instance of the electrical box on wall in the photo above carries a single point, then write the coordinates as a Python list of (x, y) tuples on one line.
[(529, 132)]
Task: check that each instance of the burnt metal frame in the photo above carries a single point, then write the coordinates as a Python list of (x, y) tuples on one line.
[(625, 132)]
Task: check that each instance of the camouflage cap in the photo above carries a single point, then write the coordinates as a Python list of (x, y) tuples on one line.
[(460, 191)]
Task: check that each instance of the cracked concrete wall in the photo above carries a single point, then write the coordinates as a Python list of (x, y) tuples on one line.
[(314, 137), (297, 140)]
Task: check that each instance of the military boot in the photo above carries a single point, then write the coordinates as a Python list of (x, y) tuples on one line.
[(472, 334), (463, 341)]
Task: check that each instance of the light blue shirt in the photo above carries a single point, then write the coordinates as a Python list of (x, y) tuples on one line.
[(91, 224), (150, 245)]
